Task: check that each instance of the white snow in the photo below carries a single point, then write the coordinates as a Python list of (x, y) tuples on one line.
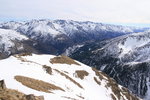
[(45, 29), (133, 42), (72, 49)]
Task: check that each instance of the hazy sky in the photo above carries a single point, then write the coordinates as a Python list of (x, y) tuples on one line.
[(109, 11)]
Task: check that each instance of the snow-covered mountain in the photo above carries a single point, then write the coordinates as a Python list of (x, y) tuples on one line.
[(13, 42), (125, 58), (54, 36), (10, 25), (59, 78), (69, 28)]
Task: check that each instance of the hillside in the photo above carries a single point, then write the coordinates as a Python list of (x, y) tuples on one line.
[(125, 58), (59, 78)]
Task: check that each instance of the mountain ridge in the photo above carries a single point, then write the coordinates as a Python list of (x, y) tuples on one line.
[(55, 36)]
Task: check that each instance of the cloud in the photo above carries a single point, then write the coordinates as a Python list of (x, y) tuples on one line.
[(113, 11)]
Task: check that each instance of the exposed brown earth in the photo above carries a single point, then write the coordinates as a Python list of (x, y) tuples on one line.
[(80, 97), (69, 78), (10, 94), (81, 73), (98, 73), (63, 60), (37, 84), (96, 80), (48, 69), (69, 98), (25, 54)]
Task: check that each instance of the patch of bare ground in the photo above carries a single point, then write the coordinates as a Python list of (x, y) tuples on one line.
[(69, 78), (37, 84), (66, 72), (114, 87), (113, 97), (48, 69), (63, 60), (80, 97), (98, 73), (81, 73), (128, 95), (20, 58), (11, 94), (69, 98), (25, 60), (97, 81), (25, 54)]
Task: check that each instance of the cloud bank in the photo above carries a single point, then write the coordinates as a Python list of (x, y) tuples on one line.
[(112, 11)]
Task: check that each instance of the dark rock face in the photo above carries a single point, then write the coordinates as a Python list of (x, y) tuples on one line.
[(32, 97), (2, 85), (40, 97), (135, 78), (29, 97)]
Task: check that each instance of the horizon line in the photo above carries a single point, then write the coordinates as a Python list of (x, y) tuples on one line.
[(144, 25)]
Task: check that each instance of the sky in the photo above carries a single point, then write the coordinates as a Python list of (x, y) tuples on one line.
[(125, 12)]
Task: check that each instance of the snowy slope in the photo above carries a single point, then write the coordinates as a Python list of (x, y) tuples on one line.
[(95, 84)]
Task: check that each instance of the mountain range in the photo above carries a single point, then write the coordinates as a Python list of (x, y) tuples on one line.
[(120, 52), (54, 37)]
